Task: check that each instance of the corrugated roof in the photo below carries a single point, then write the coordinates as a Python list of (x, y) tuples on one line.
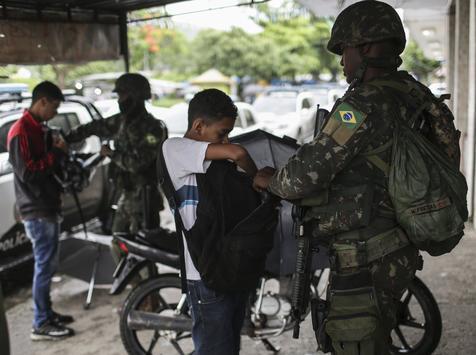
[(112, 6), (93, 11)]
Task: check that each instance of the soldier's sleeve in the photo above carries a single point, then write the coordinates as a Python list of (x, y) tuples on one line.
[(144, 151), (316, 164), (103, 128)]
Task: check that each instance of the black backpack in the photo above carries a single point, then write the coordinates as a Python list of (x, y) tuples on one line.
[(234, 229)]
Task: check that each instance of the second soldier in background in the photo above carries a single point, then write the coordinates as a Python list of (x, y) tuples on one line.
[(137, 136)]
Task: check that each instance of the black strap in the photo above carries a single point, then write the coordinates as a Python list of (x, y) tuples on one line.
[(168, 188)]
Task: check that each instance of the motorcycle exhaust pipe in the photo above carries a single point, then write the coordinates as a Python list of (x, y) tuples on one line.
[(138, 320)]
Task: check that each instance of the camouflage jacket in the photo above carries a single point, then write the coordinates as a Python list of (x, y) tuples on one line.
[(334, 163), (135, 146)]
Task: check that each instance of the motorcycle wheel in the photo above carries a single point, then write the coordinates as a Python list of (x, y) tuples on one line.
[(419, 327), (158, 295)]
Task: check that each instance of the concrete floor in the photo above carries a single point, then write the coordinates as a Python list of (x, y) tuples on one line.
[(452, 279)]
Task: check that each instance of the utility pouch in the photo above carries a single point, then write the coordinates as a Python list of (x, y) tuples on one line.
[(347, 209), (319, 311), (354, 317)]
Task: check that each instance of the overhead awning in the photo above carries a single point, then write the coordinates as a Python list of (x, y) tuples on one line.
[(426, 20), (71, 31)]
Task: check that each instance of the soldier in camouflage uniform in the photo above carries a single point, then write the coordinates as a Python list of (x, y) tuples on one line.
[(346, 165), (137, 136)]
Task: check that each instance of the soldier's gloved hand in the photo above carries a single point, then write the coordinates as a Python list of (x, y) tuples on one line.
[(262, 178), (105, 151)]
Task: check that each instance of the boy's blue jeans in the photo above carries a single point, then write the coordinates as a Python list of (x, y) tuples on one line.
[(44, 236), (217, 319)]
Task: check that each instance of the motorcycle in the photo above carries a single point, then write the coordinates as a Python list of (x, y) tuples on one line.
[(156, 309)]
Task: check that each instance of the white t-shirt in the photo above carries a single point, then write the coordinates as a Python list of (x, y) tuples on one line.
[(184, 158)]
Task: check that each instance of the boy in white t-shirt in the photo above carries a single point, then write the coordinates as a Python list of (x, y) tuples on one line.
[(217, 317)]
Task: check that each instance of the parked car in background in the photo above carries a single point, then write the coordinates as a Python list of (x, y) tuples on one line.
[(15, 248), (284, 111), (110, 107), (12, 88), (325, 96), (176, 119)]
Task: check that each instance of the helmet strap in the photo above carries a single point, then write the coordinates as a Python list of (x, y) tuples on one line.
[(385, 62), (374, 62), (359, 74)]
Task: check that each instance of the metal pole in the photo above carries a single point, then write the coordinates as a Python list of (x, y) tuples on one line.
[(123, 39)]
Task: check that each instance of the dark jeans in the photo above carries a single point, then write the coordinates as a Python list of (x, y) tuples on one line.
[(4, 339), (217, 319), (44, 236)]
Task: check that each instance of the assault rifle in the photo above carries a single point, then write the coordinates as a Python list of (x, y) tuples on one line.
[(303, 275)]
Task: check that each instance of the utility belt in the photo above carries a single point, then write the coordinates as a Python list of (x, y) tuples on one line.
[(350, 252)]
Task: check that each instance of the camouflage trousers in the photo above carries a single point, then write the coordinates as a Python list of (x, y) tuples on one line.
[(363, 303), (129, 216)]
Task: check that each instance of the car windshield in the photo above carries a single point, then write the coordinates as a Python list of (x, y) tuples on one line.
[(176, 118), (275, 104), (321, 97)]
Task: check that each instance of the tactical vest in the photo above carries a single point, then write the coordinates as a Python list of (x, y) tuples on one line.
[(360, 233)]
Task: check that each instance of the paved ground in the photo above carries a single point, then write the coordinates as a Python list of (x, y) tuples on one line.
[(451, 278)]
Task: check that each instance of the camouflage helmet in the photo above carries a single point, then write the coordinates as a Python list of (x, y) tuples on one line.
[(135, 84), (366, 22)]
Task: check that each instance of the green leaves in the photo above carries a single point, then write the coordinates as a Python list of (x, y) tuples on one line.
[(415, 61)]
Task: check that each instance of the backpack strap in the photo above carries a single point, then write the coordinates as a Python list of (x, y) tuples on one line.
[(372, 156), (408, 91), (168, 188)]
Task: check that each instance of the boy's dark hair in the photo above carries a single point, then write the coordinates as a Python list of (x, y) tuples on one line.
[(212, 105), (46, 89)]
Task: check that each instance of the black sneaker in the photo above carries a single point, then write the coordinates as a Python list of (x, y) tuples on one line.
[(51, 331), (61, 318)]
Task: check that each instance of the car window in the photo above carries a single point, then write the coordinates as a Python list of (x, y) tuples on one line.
[(321, 97), (239, 119), (306, 103), (3, 136), (95, 113), (248, 117), (64, 121)]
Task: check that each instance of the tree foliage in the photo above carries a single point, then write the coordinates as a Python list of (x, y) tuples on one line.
[(158, 48), (415, 61), (235, 53), (284, 48)]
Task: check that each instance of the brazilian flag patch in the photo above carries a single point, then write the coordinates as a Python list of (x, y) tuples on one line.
[(347, 116), (344, 122)]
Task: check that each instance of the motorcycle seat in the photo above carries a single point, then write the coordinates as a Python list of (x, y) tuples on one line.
[(162, 239), (149, 252)]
